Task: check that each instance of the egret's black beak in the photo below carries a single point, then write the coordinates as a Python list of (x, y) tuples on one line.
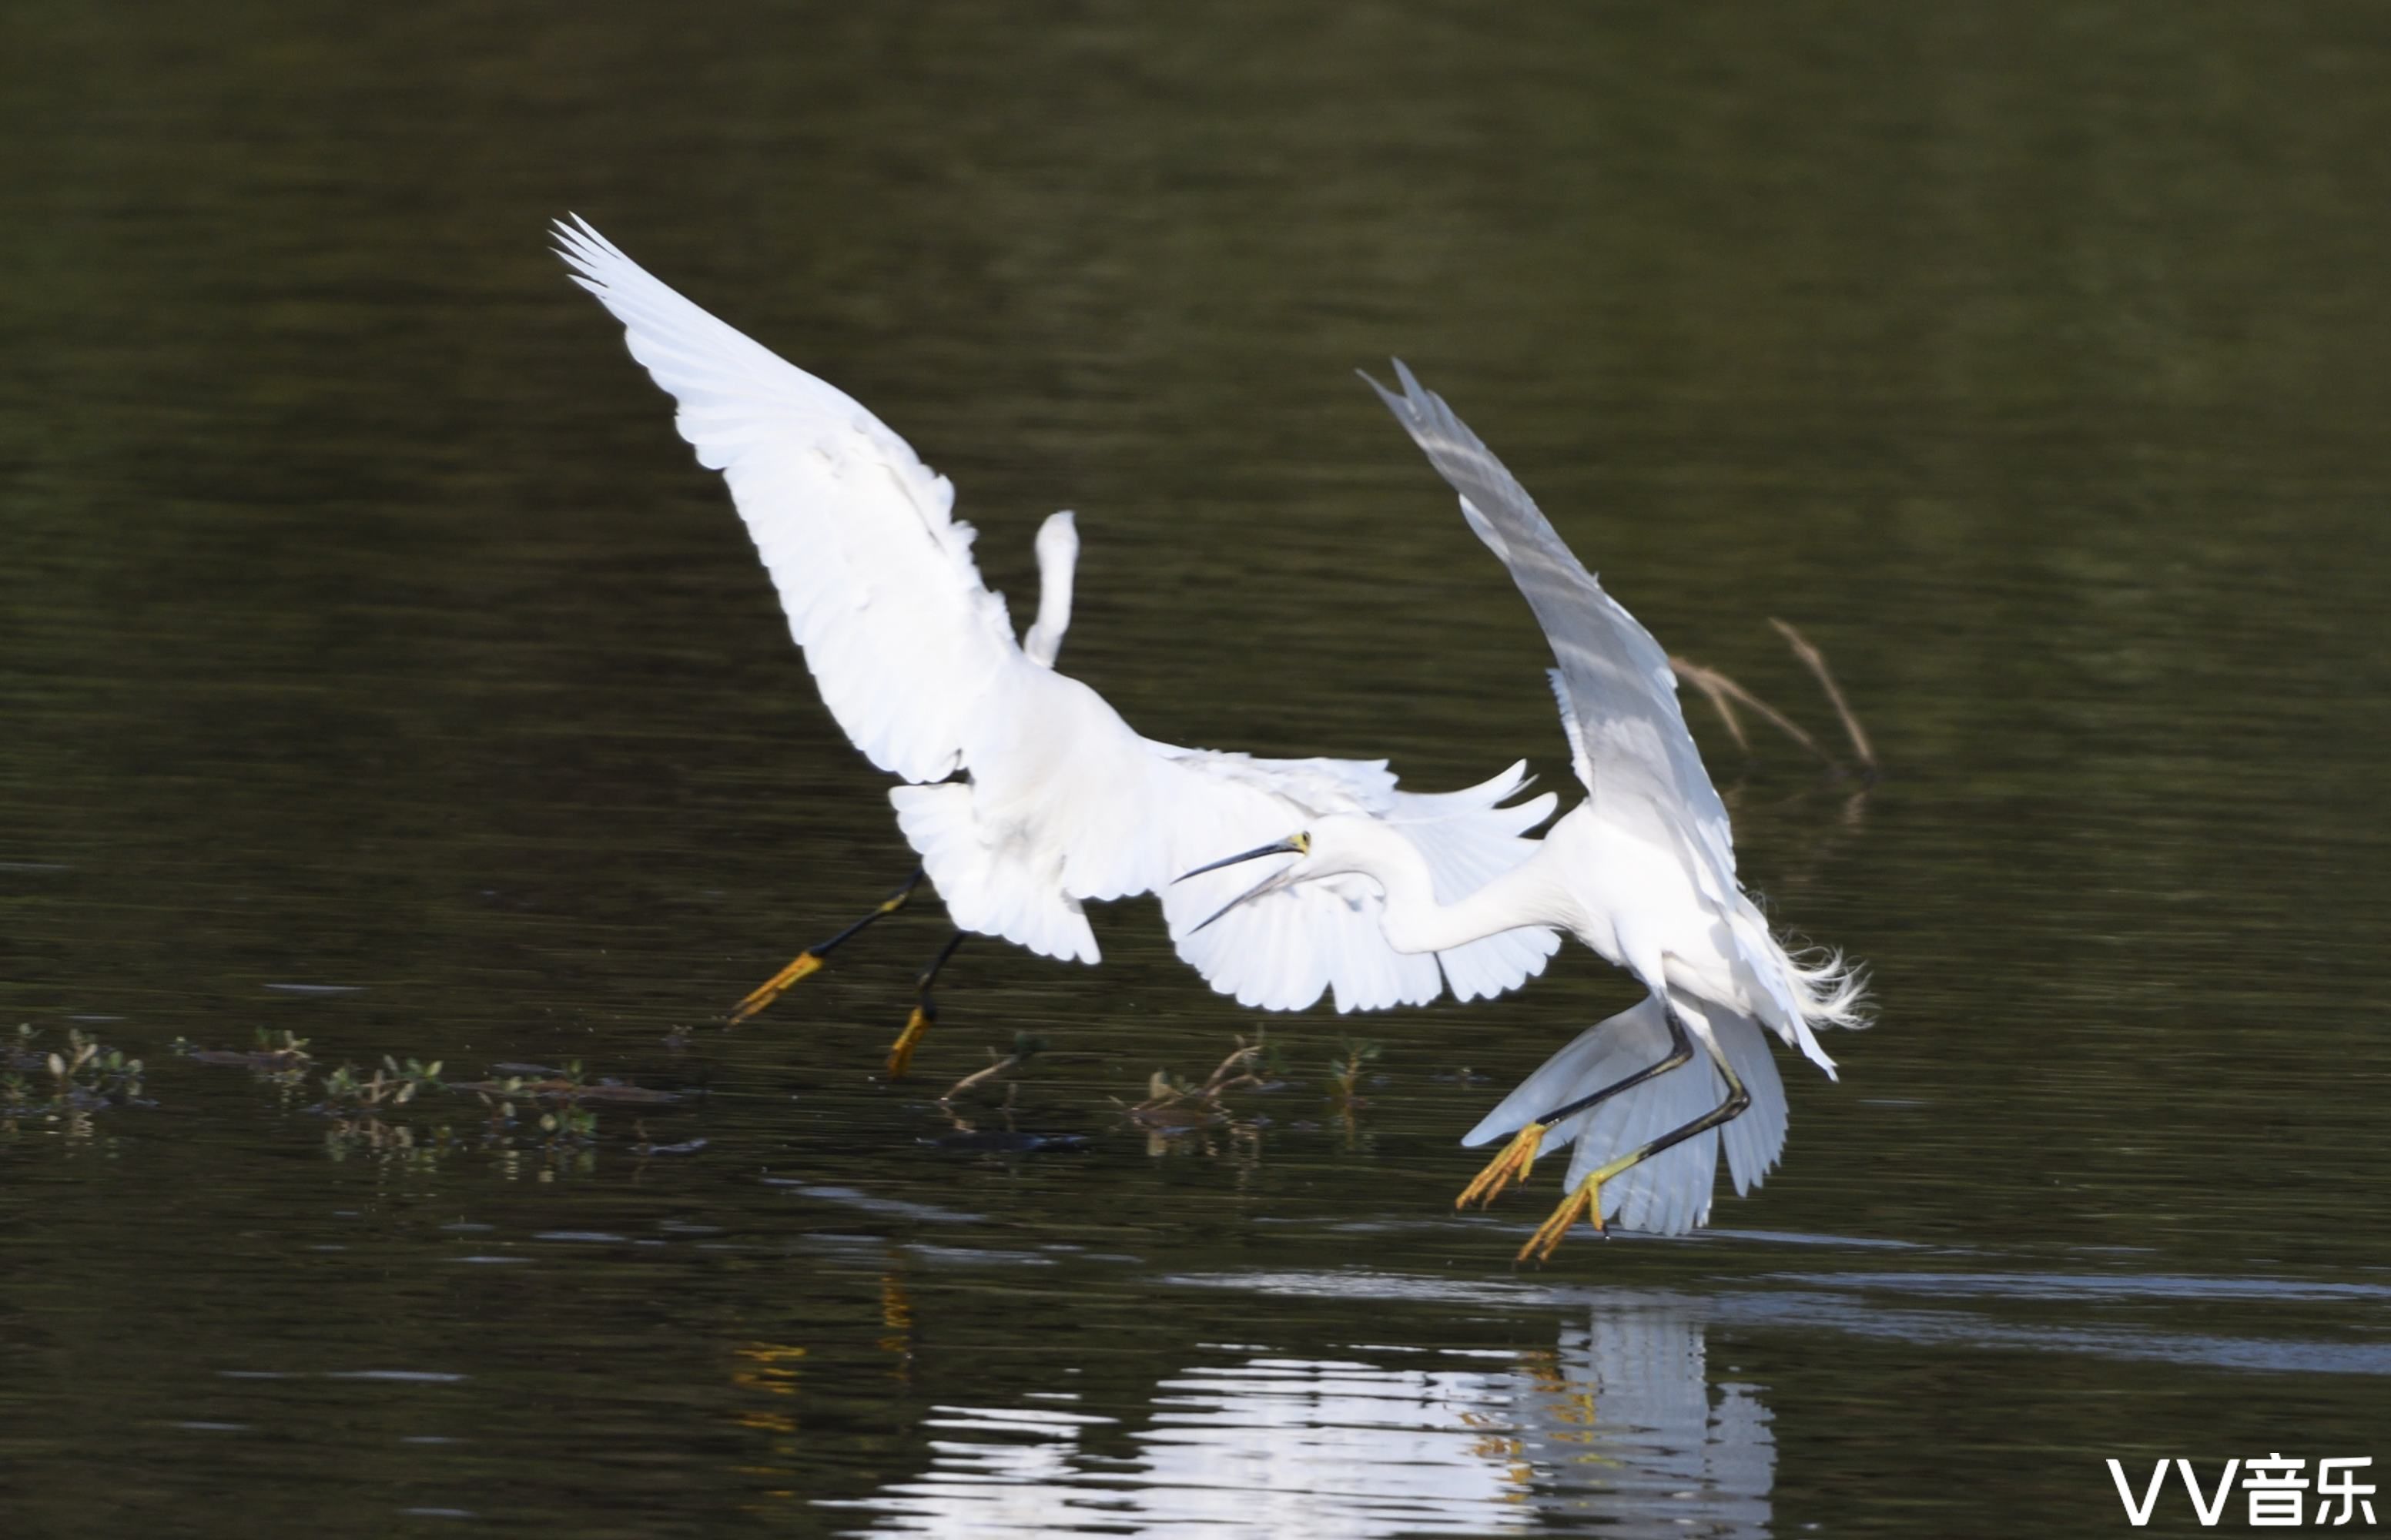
[(1283, 848), (1298, 845)]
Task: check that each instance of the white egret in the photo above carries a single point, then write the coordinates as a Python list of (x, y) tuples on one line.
[(1641, 871), (1025, 794)]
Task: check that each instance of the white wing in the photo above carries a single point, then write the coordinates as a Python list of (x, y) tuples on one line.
[(1282, 950), (1116, 815), (1617, 693), (875, 574), (916, 660)]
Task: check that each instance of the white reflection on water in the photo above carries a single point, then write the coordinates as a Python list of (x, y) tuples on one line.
[(1619, 1425)]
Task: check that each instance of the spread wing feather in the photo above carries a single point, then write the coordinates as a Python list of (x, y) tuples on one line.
[(1283, 950), (874, 571), (1617, 693), (915, 659)]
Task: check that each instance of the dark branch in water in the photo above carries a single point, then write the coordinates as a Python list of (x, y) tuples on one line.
[(1172, 1104), (1723, 689), (1725, 695), (1816, 663), (1025, 1048)]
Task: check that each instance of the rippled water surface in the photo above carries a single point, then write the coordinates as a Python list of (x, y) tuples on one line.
[(376, 670)]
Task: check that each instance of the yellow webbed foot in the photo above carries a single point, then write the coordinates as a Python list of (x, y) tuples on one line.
[(1518, 1158), (1587, 1201), (900, 1053), (773, 988)]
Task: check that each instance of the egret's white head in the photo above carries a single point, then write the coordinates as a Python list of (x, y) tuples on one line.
[(1332, 847), (1058, 543)]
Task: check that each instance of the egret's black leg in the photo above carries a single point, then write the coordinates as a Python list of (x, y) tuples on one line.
[(1588, 1198), (926, 1010), (810, 960), (1518, 1157), (1681, 1051)]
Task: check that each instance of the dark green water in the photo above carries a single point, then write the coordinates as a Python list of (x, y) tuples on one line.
[(367, 627)]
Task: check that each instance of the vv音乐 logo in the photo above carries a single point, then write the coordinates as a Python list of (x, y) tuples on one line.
[(2278, 1489)]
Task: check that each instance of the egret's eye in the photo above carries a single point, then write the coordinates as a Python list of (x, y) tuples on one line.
[(1302, 844)]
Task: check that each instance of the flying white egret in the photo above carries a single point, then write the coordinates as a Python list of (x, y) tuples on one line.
[(1641, 871), (1058, 802)]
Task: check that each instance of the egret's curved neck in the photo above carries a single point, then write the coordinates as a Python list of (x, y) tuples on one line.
[(1415, 921), (1058, 554)]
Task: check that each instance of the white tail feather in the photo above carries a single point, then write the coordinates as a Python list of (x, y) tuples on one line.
[(1755, 1140)]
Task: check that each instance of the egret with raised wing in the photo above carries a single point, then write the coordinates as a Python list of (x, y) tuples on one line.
[(1641, 871), (1025, 795)]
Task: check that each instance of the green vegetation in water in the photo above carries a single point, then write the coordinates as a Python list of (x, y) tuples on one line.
[(1174, 1106), (393, 1085), (84, 1075), (285, 1062), (565, 1135), (376, 1113), (1353, 1056)]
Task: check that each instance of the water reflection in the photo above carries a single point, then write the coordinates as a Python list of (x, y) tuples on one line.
[(1618, 1424), (1656, 1444)]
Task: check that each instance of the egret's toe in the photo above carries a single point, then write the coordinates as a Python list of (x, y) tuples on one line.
[(773, 988), (1518, 1158), (900, 1053), (1586, 1200)]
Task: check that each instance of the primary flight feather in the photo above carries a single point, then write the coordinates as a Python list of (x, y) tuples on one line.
[(1025, 794)]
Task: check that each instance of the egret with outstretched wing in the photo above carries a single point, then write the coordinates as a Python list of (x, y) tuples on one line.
[(1641, 871), (1025, 795)]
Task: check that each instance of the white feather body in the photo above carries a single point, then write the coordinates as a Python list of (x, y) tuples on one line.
[(1063, 802), (1642, 871)]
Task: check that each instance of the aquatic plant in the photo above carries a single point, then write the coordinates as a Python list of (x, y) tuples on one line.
[(1173, 1105), (1026, 1046), (1354, 1055), (371, 1113), (393, 1085), (85, 1074), (286, 1061)]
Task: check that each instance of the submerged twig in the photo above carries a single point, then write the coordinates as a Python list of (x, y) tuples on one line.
[(1712, 685), (1171, 1104), (1025, 1048), (1238, 1070), (1816, 662), (1720, 689)]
